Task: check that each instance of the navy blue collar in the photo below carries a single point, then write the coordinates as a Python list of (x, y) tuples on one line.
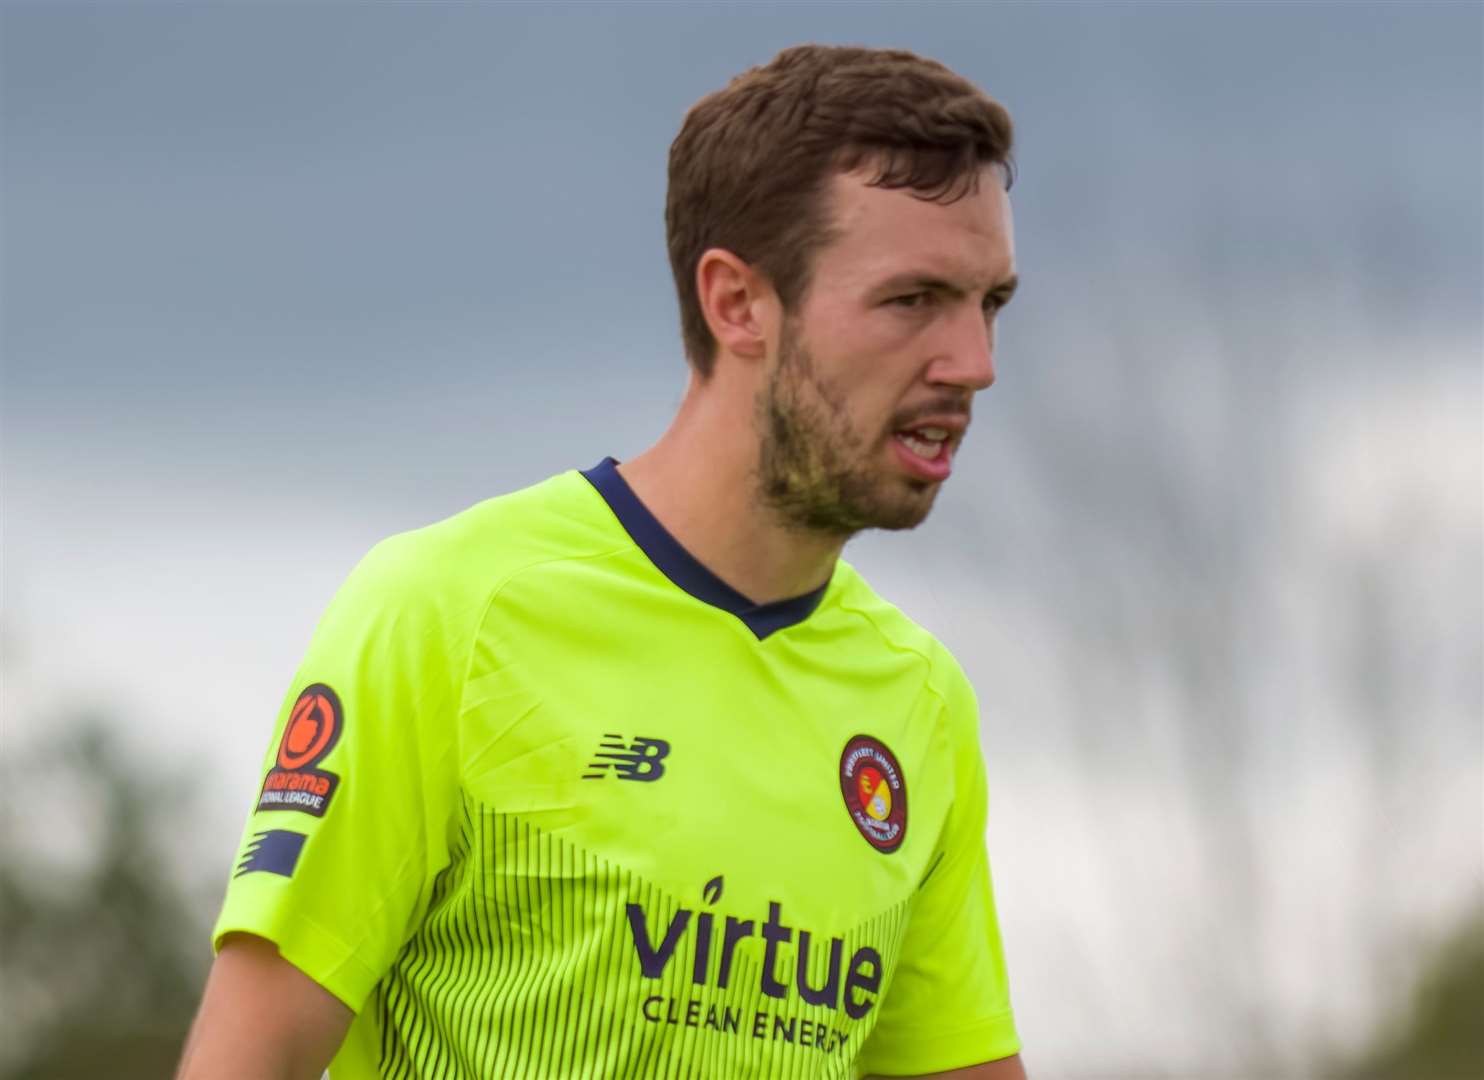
[(683, 568)]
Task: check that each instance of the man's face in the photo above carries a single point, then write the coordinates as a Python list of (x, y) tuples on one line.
[(870, 393)]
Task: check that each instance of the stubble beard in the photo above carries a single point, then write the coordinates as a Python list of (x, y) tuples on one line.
[(815, 471)]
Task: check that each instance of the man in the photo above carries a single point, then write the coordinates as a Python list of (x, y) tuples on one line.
[(627, 774)]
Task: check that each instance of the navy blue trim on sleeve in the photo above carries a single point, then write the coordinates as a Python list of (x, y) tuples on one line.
[(684, 569)]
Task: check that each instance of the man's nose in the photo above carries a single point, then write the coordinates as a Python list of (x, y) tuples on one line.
[(967, 359)]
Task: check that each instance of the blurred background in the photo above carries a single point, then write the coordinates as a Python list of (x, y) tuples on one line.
[(280, 279)]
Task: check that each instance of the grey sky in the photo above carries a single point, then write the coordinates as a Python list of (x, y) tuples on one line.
[(209, 209)]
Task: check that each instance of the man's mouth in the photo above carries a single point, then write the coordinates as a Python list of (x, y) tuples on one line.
[(926, 442)]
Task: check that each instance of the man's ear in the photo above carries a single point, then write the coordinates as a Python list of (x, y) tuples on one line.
[(738, 302)]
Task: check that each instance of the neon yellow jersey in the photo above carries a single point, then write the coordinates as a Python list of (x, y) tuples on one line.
[(549, 799)]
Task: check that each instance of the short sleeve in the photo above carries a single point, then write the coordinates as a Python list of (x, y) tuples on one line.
[(948, 1005), (351, 819)]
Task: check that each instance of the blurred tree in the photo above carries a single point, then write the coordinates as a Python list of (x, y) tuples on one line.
[(1442, 1037), (100, 974)]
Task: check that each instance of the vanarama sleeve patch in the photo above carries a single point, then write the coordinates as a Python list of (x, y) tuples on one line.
[(293, 783)]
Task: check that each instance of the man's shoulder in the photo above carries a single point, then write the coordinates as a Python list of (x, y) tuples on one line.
[(474, 550), (898, 630)]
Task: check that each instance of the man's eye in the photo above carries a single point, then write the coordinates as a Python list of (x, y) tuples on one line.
[(911, 300)]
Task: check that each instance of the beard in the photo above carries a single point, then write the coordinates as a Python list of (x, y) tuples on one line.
[(816, 471)]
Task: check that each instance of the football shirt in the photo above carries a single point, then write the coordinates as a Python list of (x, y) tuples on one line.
[(548, 798)]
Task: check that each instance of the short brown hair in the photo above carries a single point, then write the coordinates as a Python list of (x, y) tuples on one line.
[(750, 167)]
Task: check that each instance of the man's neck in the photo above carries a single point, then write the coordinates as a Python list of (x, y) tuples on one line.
[(700, 481)]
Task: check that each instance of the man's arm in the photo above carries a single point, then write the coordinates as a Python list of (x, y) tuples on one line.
[(1008, 1068), (261, 1018)]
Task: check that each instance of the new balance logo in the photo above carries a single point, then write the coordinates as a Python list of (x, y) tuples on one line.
[(637, 760)]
